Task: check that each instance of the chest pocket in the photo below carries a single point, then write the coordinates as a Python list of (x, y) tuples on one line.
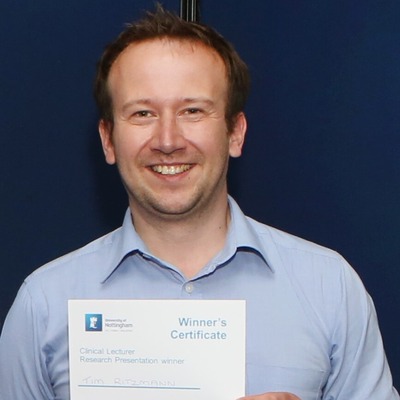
[(304, 383)]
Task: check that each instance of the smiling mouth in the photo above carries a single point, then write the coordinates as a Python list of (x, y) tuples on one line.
[(171, 169)]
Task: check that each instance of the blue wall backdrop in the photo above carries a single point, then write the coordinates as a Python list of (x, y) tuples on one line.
[(321, 159)]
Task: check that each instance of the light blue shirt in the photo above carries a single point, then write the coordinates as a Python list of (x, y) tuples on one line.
[(311, 326)]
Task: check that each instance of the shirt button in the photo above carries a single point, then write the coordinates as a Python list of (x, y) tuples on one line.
[(189, 287)]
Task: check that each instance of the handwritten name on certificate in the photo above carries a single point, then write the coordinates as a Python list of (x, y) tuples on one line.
[(157, 349)]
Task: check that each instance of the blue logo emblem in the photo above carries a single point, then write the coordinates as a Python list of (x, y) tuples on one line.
[(93, 322)]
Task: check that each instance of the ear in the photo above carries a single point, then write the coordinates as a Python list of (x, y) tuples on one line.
[(105, 130), (236, 138)]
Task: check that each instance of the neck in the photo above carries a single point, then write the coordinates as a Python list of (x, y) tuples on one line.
[(187, 243)]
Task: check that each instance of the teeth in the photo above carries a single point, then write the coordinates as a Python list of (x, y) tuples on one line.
[(170, 170)]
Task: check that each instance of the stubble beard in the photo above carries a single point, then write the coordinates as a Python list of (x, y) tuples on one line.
[(169, 207)]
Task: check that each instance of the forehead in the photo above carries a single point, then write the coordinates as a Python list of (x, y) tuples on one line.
[(159, 52)]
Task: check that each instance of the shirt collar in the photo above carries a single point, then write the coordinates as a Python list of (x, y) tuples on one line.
[(242, 234), (125, 241)]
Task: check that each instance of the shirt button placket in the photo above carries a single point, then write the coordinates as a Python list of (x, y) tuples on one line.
[(189, 287)]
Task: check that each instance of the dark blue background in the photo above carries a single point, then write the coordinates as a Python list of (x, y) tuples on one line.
[(321, 159)]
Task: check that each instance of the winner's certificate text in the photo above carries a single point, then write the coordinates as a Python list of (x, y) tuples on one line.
[(157, 349)]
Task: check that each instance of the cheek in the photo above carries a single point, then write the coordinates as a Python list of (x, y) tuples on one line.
[(128, 146), (211, 138)]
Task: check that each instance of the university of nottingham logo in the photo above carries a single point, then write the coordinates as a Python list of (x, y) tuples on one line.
[(93, 322)]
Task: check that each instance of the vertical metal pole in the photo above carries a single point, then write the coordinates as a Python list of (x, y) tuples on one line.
[(190, 10)]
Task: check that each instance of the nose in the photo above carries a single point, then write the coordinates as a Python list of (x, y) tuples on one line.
[(168, 137)]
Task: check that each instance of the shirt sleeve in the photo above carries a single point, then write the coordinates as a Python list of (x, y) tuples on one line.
[(359, 365), (23, 373)]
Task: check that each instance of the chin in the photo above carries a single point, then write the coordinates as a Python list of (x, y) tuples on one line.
[(175, 208)]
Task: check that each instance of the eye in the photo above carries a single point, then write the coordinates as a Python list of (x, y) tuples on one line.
[(192, 111), (142, 114), (192, 114), (142, 117)]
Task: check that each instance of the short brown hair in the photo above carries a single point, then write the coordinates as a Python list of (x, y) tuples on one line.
[(165, 24)]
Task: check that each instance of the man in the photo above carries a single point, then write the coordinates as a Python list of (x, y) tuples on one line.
[(171, 97)]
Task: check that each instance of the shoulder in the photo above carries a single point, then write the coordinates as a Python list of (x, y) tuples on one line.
[(320, 277), (305, 263), (94, 258), (290, 244)]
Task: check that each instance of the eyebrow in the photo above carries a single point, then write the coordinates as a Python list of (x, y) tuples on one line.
[(135, 102), (186, 100)]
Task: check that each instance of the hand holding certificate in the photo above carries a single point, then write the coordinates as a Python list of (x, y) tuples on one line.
[(163, 349)]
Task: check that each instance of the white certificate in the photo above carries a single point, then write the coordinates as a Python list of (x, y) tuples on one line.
[(157, 349)]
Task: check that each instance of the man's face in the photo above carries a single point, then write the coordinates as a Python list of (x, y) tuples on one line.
[(169, 138)]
